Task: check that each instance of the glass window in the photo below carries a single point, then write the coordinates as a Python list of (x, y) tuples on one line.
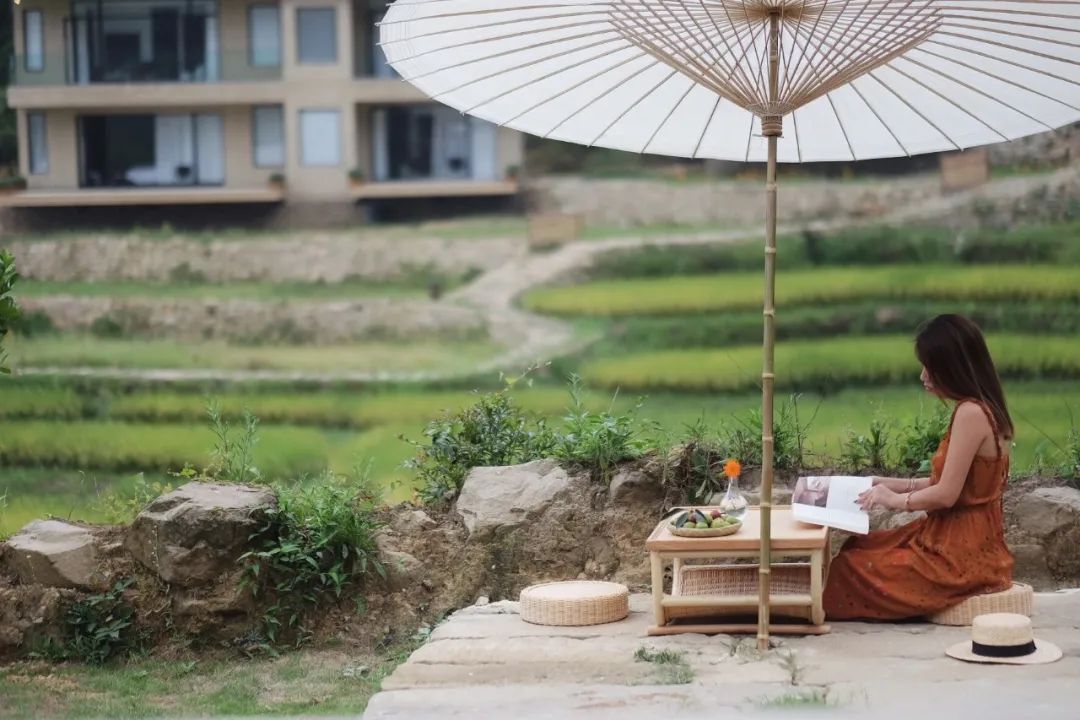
[(268, 136), (316, 38), (264, 36), (34, 40), (320, 137), (39, 150)]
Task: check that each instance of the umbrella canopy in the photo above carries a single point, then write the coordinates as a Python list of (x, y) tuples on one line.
[(858, 79), (751, 80)]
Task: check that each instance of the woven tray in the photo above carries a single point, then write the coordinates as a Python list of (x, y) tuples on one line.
[(1020, 599), (697, 580), (704, 532), (577, 602)]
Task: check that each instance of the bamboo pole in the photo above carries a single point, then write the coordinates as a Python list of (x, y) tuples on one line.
[(771, 127)]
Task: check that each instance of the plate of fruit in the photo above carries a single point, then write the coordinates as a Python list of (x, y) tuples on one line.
[(703, 522)]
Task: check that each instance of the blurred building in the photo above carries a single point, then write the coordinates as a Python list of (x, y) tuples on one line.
[(162, 102)]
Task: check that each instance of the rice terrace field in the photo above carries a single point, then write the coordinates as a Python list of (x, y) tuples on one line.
[(678, 333)]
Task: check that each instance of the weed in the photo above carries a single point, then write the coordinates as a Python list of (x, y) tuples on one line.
[(790, 664), (101, 626), (123, 507), (233, 460), (492, 431), (804, 697), (870, 451), (671, 665), (596, 440), (315, 543), (917, 440), (1071, 468)]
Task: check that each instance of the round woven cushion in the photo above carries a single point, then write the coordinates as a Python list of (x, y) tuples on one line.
[(1019, 599), (577, 602)]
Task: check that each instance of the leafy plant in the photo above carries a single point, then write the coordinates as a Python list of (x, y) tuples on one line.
[(318, 541), (356, 175), (492, 431), (917, 440), (9, 310), (743, 440), (596, 440), (861, 452), (233, 460), (671, 665), (1072, 453), (120, 506), (692, 465), (101, 626)]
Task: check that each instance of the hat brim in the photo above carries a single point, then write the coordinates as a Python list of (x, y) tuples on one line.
[(1045, 652)]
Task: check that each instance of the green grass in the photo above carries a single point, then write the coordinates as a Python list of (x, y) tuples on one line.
[(307, 682), (743, 291), (808, 364), (56, 402), (114, 446), (81, 351), (227, 291)]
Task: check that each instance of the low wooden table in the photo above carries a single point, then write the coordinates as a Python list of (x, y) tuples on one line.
[(726, 589)]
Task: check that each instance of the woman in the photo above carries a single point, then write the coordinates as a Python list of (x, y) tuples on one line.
[(959, 549)]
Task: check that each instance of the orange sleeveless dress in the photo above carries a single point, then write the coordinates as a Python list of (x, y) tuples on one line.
[(933, 563)]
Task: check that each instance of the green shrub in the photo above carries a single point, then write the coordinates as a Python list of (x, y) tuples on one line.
[(123, 506), (859, 453), (9, 310), (17, 401), (101, 626), (492, 431), (596, 440), (918, 440), (316, 543), (33, 324), (233, 459)]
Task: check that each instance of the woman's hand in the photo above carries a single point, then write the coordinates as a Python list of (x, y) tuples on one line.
[(880, 496)]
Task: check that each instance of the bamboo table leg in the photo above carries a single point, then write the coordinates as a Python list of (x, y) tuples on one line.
[(657, 564), (817, 579)]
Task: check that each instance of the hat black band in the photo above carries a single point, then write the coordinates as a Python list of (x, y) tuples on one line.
[(1003, 651)]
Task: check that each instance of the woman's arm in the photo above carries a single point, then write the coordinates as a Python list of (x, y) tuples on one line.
[(970, 428), (901, 485)]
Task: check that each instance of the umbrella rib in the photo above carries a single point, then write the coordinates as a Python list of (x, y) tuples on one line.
[(601, 96), (974, 89), (952, 102), (732, 69), (511, 36), (481, 26), (573, 87), (1008, 21), (632, 106), (667, 117), (1006, 11), (1022, 36), (914, 109), (1014, 48), (868, 51), (529, 63), (503, 53), (795, 128), (1031, 90), (840, 122), (880, 119), (980, 53), (749, 138), (811, 59), (704, 130), (753, 88), (530, 81), (797, 69)]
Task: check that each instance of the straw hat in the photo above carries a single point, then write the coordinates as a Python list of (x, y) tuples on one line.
[(1004, 638)]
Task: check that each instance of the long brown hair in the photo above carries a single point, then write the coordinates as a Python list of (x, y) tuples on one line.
[(954, 353)]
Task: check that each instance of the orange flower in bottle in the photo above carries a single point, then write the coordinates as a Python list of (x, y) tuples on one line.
[(732, 468)]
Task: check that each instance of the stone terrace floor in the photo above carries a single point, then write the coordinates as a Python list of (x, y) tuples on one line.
[(485, 663)]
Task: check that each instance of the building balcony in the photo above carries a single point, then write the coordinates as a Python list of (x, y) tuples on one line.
[(113, 197)]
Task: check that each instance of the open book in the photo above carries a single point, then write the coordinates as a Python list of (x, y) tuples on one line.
[(832, 501)]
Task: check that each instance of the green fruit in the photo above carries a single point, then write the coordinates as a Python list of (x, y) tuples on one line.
[(702, 526), (717, 523)]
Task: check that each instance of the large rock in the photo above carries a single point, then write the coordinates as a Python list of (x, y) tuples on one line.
[(630, 486), (1052, 514), (195, 534), (29, 614), (54, 554), (497, 499)]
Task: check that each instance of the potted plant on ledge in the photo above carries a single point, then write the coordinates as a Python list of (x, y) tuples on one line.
[(356, 177), (12, 184), (277, 182)]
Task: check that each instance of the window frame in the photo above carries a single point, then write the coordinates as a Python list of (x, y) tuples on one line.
[(251, 33), (255, 137), (43, 168), (334, 35), (41, 30), (340, 149)]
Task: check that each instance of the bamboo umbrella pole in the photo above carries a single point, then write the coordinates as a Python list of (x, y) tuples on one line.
[(771, 127)]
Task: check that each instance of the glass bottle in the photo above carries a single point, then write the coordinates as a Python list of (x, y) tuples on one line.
[(734, 503)]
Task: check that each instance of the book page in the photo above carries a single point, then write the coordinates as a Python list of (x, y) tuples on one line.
[(832, 501)]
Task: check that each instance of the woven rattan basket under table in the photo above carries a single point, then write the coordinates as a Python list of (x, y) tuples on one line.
[(575, 602), (722, 588)]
